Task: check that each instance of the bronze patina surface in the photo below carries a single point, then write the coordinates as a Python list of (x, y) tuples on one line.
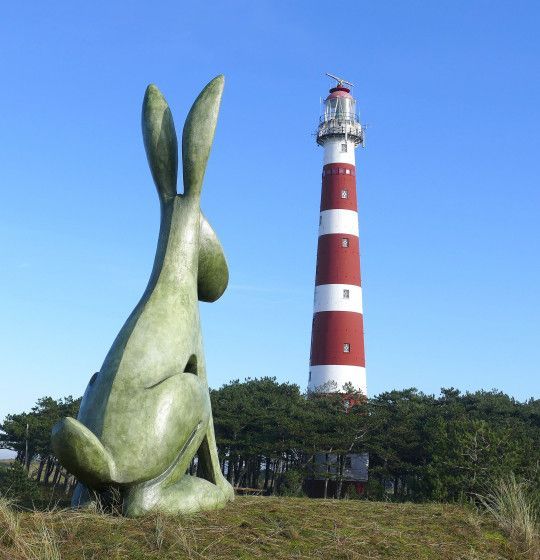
[(147, 412)]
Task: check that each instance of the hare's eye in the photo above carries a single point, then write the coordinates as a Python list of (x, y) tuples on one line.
[(93, 378)]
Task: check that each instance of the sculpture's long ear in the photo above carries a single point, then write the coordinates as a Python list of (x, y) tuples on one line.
[(213, 270), (198, 135), (160, 142)]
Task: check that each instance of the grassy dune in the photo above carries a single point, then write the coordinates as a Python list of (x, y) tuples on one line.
[(260, 528)]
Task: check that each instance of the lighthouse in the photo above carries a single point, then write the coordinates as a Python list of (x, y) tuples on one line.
[(337, 336)]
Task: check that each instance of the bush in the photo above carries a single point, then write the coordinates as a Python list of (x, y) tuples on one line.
[(291, 482), (16, 486), (375, 490), (351, 493)]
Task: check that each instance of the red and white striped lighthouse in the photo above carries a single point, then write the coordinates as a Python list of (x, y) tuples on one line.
[(337, 339)]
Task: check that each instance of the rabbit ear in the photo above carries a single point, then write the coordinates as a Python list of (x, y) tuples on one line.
[(213, 270), (198, 135), (160, 142)]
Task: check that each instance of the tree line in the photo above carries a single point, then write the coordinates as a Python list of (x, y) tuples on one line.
[(421, 447), (29, 435)]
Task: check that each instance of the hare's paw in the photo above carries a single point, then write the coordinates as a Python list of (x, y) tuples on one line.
[(189, 495)]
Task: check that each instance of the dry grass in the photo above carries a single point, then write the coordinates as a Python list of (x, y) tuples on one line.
[(9, 523), (259, 527), (513, 505)]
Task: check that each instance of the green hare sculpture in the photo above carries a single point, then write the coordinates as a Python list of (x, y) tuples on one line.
[(146, 413)]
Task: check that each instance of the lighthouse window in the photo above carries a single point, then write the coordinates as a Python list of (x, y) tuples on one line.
[(309, 376), (345, 294), (346, 347), (344, 193), (347, 171), (345, 242), (343, 147)]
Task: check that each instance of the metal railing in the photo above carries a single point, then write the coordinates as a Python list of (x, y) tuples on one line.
[(351, 129)]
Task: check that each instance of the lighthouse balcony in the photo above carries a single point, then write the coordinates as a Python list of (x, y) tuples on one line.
[(345, 125)]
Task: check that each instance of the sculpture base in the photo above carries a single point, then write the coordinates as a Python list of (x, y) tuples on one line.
[(189, 495)]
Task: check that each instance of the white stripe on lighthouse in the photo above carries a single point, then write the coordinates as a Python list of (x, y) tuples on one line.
[(338, 221), (323, 378), (333, 151), (338, 297)]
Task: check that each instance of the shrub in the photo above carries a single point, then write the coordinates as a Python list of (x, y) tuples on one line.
[(16, 486), (291, 482), (375, 490)]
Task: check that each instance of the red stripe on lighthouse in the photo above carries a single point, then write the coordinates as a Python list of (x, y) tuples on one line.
[(338, 187), (337, 264), (331, 331), (339, 169), (338, 191)]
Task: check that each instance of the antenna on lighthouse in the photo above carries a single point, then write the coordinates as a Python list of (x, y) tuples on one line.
[(340, 81)]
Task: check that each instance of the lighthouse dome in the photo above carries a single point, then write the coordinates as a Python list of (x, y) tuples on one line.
[(340, 91)]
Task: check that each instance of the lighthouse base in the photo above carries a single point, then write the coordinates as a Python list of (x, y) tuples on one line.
[(332, 378)]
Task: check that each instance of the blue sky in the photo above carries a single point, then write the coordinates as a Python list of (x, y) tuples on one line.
[(448, 184)]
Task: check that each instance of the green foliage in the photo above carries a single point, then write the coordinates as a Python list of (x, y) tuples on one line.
[(263, 427), (448, 448), (258, 416), (291, 483), (375, 490), (422, 447), (28, 434), (37, 424), (16, 486)]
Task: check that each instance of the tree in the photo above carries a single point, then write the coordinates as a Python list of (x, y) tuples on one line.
[(34, 442), (422, 447)]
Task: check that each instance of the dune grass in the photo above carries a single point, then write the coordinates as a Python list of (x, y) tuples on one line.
[(259, 527), (514, 506)]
